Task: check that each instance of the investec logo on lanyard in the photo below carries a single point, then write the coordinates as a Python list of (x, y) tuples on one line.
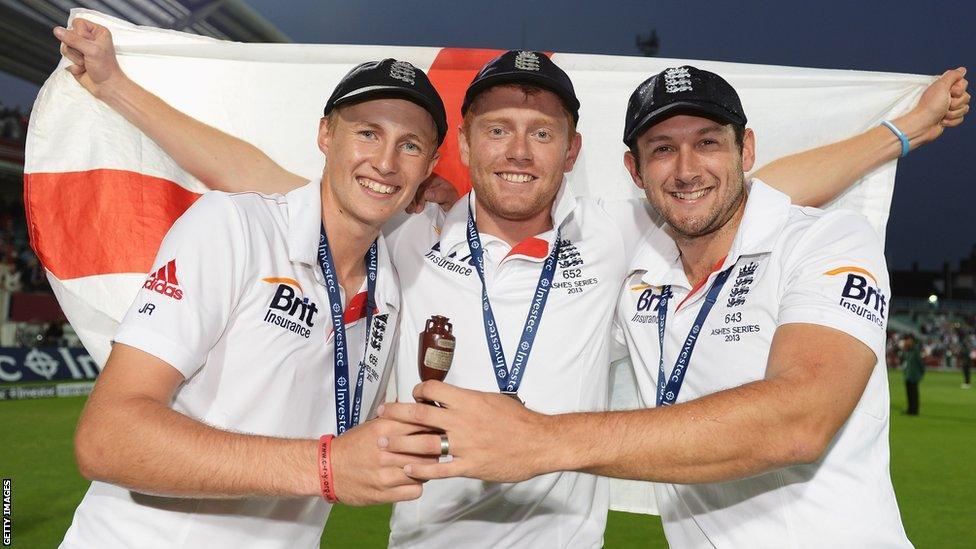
[(538, 302), (669, 387), (340, 354), (509, 381)]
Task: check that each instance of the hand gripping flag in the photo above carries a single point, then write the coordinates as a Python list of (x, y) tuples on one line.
[(100, 196)]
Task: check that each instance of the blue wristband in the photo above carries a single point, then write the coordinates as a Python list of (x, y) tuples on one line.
[(901, 137)]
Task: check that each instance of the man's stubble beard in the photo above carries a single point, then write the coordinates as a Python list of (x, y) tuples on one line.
[(492, 201), (719, 220)]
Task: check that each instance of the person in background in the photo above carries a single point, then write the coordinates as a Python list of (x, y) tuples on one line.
[(914, 370), (967, 357)]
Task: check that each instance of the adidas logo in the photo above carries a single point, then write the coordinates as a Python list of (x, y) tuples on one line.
[(164, 281)]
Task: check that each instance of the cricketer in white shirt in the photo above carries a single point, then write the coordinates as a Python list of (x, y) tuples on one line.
[(788, 265), (237, 304), (566, 370)]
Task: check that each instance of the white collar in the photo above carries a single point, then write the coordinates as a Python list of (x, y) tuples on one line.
[(766, 213), (304, 227), (455, 228)]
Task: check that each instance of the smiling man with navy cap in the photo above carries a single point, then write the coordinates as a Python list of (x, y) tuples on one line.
[(523, 269), (232, 410), (764, 347)]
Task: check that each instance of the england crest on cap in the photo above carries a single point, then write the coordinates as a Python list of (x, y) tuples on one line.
[(401, 70), (527, 61), (677, 79)]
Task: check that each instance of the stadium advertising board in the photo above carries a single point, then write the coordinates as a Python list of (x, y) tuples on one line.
[(25, 364)]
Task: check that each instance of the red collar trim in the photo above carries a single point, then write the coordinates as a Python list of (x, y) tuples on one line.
[(530, 247), (701, 284)]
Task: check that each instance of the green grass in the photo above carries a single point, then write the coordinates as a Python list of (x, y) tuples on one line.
[(933, 468), (933, 461)]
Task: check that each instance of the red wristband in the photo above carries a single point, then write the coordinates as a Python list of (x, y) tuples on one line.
[(325, 469)]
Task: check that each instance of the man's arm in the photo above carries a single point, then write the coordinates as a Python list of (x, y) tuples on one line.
[(817, 176), (129, 436), (731, 434), (220, 161), (128, 433), (820, 360)]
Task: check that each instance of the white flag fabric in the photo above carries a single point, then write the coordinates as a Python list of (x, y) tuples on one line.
[(100, 196)]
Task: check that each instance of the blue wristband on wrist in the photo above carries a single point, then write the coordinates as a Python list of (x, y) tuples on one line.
[(901, 137)]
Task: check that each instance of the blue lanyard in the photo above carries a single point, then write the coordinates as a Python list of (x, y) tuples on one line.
[(667, 393), (340, 356), (509, 379)]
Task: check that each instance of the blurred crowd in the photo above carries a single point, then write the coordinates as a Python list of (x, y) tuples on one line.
[(13, 124), (946, 340), (20, 270)]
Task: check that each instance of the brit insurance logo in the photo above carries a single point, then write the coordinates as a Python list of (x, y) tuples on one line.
[(289, 308), (862, 294), (647, 303), (463, 266), (163, 281)]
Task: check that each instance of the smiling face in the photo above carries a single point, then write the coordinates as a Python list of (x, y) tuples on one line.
[(517, 143), (378, 152), (691, 170)]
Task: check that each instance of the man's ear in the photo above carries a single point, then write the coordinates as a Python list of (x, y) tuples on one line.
[(575, 146), (432, 164), (630, 162), (325, 136), (748, 150), (463, 149)]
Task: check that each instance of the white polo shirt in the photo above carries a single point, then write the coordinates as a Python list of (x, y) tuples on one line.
[(568, 368), (789, 265), (237, 304)]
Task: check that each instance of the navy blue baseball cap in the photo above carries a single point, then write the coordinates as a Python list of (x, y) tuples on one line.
[(390, 78), (524, 67), (681, 90)]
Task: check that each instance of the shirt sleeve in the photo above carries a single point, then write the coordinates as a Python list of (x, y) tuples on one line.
[(618, 343), (404, 226), (633, 217), (836, 276), (186, 302)]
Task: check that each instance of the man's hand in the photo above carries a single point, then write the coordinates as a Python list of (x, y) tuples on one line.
[(492, 437), (434, 189), (366, 474), (943, 105), (89, 47)]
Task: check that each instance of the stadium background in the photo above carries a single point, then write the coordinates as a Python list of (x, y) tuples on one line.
[(930, 237)]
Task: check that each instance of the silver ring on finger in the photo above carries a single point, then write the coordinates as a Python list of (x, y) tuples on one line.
[(445, 446)]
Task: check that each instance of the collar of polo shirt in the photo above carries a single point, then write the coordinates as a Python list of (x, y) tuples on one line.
[(304, 228), (767, 211), (454, 230)]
